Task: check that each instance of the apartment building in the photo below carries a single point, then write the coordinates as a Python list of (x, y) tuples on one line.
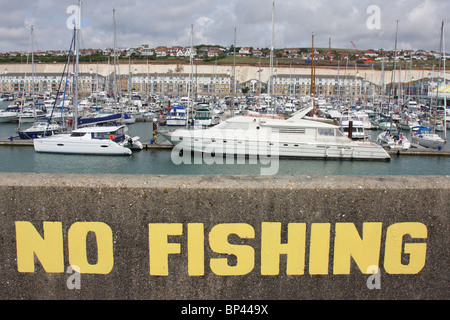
[(325, 85), (176, 84), (180, 84), (50, 82)]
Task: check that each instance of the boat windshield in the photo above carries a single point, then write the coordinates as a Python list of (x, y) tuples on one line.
[(329, 132), (77, 134), (202, 114)]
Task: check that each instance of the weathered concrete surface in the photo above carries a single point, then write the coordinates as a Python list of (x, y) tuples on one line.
[(128, 203)]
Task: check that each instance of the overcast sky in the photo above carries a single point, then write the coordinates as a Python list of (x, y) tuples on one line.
[(168, 23)]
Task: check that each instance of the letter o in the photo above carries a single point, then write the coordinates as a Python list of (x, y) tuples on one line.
[(77, 247)]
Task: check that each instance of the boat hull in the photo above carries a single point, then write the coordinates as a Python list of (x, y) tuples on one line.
[(73, 146), (428, 143), (33, 134), (282, 149), (4, 119)]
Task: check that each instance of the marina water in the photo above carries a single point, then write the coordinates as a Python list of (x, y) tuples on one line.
[(159, 161)]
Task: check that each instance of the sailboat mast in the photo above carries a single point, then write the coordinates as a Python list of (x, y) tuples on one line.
[(191, 74), (395, 59), (233, 77), (32, 72), (77, 53), (445, 82), (392, 90), (339, 80), (271, 89), (115, 58), (439, 78), (313, 77)]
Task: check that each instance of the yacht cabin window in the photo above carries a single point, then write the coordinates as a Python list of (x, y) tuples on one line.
[(105, 135), (325, 132)]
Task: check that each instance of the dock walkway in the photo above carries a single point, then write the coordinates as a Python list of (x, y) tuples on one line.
[(16, 142)]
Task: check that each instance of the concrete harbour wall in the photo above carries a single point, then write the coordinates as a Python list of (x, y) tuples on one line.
[(243, 73), (223, 237)]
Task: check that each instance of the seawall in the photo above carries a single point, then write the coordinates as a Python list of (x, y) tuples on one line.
[(223, 237)]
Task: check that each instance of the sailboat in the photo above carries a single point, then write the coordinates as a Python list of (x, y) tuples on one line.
[(103, 140), (40, 128), (427, 138), (424, 136), (30, 114), (392, 140)]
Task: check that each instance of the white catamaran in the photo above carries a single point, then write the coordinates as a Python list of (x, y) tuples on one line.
[(87, 140)]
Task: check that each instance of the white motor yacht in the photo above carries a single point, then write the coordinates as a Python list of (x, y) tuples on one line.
[(10, 114), (177, 116), (293, 137), (30, 115), (204, 116)]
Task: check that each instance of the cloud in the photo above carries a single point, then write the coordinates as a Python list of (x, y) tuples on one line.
[(168, 23)]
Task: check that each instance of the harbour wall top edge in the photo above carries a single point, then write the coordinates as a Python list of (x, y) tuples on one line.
[(225, 181)]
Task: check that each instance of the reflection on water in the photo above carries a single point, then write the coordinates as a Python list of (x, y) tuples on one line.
[(25, 159)]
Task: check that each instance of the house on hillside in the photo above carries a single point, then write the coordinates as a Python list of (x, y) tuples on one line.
[(244, 51), (161, 52), (257, 53)]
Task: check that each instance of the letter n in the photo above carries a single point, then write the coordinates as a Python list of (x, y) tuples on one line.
[(48, 249), (348, 244)]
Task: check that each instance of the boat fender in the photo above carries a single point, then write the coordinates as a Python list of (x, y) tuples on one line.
[(112, 137)]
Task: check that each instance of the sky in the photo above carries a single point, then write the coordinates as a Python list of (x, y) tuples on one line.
[(369, 24)]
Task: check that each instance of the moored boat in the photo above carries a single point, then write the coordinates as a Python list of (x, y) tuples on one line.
[(10, 114), (426, 138), (204, 116), (40, 128), (393, 140), (86, 140), (177, 116), (292, 138)]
